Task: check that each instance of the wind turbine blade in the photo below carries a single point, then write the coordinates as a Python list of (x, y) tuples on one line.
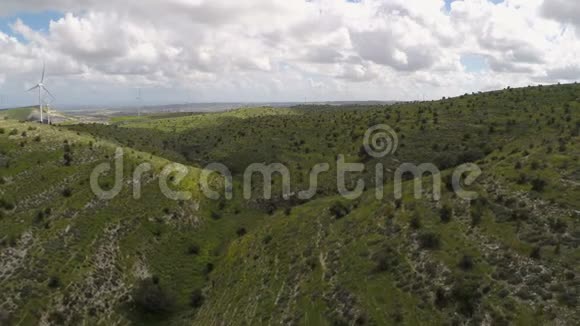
[(46, 90), (33, 88), (43, 71)]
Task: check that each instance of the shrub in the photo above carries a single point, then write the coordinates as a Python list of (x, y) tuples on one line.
[(67, 157), (429, 240), (7, 205), (267, 239), (53, 282), (467, 296), (150, 297), (339, 210), (193, 249), (557, 225), (470, 156), (13, 132), (208, 269), (385, 259), (538, 185), (445, 213), (2, 130), (536, 253), (215, 215), (241, 231), (440, 298), (67, 192), (196, 300), (57, 318), (466, 263), (476, 217), (415, 223), (445, 161), (39, 217)]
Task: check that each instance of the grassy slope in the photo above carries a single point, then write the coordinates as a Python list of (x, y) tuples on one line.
[(308, 267), (97, 249), (18, 114)]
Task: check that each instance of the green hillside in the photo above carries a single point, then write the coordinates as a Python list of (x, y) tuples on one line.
[(19, 113), (509, 257)]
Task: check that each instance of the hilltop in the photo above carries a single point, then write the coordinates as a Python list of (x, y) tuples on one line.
[(508, 257)]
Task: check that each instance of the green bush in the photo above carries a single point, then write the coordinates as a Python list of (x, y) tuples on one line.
[(241, 231), (415, 223), (54, 282), (67, 158), (385, 259), (429, 240), (538, 185), (466, 263), (151, 298), (536, 253), (466, 294), (339, 210), (196, 300), (6, 204), (67, 192), (445, 213), (193, 249), (215, 215)]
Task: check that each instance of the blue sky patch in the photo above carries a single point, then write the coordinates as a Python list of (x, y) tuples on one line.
[(38, 21), (448, 3), (474, 62)]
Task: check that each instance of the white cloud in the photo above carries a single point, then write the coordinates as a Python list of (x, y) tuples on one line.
[(268, 50)]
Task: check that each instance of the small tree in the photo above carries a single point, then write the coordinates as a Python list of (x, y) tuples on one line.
[(538, 185), (466, 263), (445, 213), (241, 231), (339, 210), (54, 282), (193, 249), (197, 298), (150, 297), (536, 253), (429, 240)]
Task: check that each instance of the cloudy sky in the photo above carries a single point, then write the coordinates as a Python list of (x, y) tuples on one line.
[(101, 51)]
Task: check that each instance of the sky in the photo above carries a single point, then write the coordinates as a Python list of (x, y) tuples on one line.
[(100, 52)]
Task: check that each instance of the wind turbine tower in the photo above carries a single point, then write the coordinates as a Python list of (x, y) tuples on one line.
[(47, 104), (139, 102), (40, 86)]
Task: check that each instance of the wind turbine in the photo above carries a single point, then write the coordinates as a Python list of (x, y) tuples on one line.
[(140, 101), (47, 103), (40, 86)]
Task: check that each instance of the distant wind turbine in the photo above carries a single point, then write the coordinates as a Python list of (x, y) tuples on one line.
[(40, 86), (47, 103), (139, 100)]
